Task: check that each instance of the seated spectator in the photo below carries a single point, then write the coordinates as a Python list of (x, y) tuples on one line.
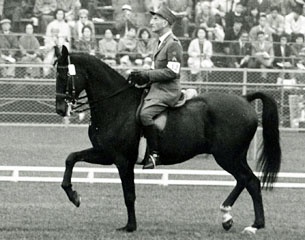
[(108, 48), (183, 11), (204, 17), (126, 21), (261, 5), (294, 23), (146, 46), (297, 47), (262, 52), (251, 18), (60, 24), (232, 34), (200, 52), (282, 55), (262, 27), (30, 47), (23, 10), (286, 6), (50, 41), (87, 43), (277, 22), (8, 48), (44, 13), (83, 21), (241, 51), (127, 48), (70, 7), (236, 15)]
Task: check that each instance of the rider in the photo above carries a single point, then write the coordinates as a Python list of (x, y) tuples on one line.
[(163, 79)]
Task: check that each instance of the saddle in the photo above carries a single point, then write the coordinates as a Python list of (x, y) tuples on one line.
[(161, 119)]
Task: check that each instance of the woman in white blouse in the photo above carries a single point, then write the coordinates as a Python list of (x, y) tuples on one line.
[(200, 52)]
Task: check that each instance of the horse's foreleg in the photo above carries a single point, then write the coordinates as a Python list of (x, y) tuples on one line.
[(127, 177), (90, 156)]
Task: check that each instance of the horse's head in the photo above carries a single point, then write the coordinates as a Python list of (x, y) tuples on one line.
[(70, 81)]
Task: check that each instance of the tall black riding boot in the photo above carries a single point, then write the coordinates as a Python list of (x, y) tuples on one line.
[(151, 133)]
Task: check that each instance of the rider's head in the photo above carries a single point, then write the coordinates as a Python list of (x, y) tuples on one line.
[(162, 20)]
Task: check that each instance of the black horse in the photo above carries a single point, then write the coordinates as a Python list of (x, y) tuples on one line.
[(219, 124)]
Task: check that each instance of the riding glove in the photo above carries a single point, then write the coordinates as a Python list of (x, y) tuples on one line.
[(138, 77)]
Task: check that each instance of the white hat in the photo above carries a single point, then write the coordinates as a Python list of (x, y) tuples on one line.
[(300, 1), (126, 7), (5, 21)]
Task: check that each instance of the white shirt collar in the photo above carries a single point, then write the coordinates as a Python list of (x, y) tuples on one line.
[(164, 36)]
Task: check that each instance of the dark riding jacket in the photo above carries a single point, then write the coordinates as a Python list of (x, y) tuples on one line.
[(165, 77)]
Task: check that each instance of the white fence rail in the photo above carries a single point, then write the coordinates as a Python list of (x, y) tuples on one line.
[(21, 174)]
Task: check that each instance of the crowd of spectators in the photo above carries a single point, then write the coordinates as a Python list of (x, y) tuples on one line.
[(215, 33)]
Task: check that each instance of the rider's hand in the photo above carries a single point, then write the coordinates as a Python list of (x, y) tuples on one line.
[(138, 78)]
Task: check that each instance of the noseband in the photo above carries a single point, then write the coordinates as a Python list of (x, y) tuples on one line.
[(69, 97)]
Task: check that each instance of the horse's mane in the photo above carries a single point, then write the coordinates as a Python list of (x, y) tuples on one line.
[(95, 63)]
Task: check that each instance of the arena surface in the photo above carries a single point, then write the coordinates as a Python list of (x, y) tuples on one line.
[(42, 210)]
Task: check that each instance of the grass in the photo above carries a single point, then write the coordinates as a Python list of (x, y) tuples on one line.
[(42, 210)]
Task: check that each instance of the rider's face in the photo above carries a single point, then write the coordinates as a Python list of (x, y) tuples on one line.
[(157, 23)]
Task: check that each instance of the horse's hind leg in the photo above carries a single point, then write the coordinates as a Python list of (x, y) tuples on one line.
[(90, 156), (245, 179), (237, 169)]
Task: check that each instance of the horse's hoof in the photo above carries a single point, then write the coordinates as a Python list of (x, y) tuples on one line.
[(127, 228), (75, 199), (227, 225), (250, 230)]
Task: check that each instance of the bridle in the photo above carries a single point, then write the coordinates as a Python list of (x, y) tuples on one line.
[(70, 95)]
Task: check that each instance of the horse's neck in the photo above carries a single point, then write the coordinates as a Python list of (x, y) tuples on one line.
[(122, 106)]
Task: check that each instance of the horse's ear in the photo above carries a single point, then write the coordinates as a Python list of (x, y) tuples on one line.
[(64, 51), (57, 51)]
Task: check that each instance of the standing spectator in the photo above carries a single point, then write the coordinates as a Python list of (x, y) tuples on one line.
[(44, 13), (200, 52), (146, 46), (83, 21), (30, 47), (294, 23), (108, 48), (237, 15), (276, 21), (59, 23), (183, 12), (262, 27), (127, 47), (126, 21), (87, 43), (252, 18), (262, 52), (261, 5), (241, 51), (8, 48)]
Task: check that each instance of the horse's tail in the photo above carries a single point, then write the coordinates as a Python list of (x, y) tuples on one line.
[(269, 161)]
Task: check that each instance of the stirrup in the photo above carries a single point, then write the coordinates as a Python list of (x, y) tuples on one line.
[(151, 161)]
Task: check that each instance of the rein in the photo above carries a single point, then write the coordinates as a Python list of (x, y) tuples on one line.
[(71, 100)]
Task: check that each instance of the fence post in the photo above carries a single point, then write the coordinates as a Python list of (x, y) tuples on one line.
[(91, 176), (245, 80), (15, 175), (164, 179)]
